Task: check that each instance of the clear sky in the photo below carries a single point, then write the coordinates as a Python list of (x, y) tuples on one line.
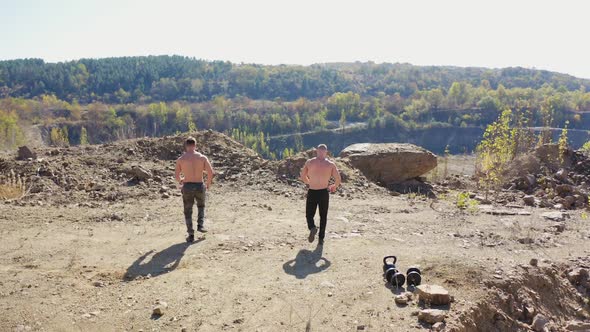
[(553, 35)]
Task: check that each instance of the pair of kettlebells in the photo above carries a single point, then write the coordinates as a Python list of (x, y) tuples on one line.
[(396, 278)]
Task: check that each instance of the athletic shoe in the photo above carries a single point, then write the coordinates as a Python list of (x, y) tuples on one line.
[(202, 229), (312, 234), (190, 238), (321, 242)]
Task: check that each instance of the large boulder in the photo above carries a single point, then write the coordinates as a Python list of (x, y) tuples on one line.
[(390, 162), (24, 153)]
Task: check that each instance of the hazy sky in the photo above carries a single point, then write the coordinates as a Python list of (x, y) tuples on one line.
[(553, 35)]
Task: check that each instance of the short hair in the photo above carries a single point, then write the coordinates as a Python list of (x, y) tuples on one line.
[(190, 141), (322, 147)]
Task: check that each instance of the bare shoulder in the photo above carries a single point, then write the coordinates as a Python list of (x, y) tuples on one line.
[(182, 157), (310, 161)]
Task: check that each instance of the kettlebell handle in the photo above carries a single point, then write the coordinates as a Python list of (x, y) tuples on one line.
[(389, 257)]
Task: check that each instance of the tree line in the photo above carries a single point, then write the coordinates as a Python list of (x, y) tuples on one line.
[(170, 78)]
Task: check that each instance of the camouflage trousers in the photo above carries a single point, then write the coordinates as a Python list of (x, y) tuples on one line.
[(193, 192)]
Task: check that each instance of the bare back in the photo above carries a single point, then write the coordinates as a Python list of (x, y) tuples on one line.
[(192, 166), (319, 172)]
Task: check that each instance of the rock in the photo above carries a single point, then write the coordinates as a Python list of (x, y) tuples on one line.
[(529, 200), (159, 308), (401, 299), (555, 215), (433, 294), (534, 262), (440, 326), (530, 180), (539, 323), (140, 173), (526, 240), (578, 276), (165, 195), (577, 326), (432, 316), (24, 153), (390, 162), (98, 283), (569, 201)]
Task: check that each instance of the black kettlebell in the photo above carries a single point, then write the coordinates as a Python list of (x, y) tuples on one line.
[(392, 275), (414, 276)]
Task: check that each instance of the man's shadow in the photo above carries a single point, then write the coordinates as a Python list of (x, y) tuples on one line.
[(306, 263), (161, 263)]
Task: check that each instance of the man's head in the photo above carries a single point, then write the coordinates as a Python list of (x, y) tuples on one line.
[(322, 151), (190, 144)]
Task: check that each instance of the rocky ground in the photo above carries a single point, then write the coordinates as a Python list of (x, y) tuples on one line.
[(98, 245)]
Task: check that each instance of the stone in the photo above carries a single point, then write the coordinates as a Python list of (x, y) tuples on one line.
[(577, 326), (432, 316), (390, 162), (401, 299), (539, 323), (529, 200), (25, 153), (555, 215), (534, 262), (140, 173), (578, 276), (160, 308), (433, 294), (440, 326), (568, 202), (564, 189)]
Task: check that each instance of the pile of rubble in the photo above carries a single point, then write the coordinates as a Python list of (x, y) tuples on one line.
[(542, 296), (128, 169), (552, 181)]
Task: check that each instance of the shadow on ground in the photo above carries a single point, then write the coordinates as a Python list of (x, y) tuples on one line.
[(306, 263), (161, 263)]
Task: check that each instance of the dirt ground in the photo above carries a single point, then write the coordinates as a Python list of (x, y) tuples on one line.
[(75, 268)]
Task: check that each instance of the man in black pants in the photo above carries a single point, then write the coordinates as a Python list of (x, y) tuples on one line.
[(317, 173)]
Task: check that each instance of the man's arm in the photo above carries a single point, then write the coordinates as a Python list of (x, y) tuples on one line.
[(337, 178), (305, 173), (209, 171), (177, 172)]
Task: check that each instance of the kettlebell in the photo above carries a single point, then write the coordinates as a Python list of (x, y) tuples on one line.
[(414, 276), (391, 273)]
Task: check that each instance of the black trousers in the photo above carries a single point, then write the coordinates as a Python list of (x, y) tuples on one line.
[(317, 198)]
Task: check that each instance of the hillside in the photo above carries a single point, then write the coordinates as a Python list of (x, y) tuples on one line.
[(105, 100), (168, 78)]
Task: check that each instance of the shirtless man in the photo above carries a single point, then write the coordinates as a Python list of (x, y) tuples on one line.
[(317, 173), (192, 165)]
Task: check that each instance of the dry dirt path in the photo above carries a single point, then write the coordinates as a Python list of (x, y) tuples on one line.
[(82, 269)]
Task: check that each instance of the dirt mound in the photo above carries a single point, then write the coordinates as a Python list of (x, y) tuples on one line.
[(127, 169), (552, 178), (545, 298)]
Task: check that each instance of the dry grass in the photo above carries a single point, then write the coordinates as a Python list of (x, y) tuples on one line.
[(12, 186)]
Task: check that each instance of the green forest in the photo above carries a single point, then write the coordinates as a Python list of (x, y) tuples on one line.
[(99, 100)]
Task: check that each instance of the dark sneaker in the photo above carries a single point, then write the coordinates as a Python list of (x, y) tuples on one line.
[(321, 242), (190, 238), (202, 229), (312, 234)]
